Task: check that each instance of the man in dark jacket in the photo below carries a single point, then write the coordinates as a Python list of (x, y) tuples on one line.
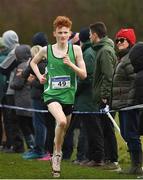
[(83, 103), (136, 57), (102, 81)]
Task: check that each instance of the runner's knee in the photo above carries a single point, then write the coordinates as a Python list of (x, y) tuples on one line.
[(62, 124)]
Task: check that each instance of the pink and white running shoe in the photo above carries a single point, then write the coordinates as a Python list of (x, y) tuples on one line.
[(47, 157)]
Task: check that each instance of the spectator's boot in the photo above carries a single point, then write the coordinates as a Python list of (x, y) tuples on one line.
[(136, 164), (136, 167)]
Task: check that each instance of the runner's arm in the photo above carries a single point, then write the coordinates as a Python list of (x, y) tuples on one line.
[(39, 57), (79, 68)]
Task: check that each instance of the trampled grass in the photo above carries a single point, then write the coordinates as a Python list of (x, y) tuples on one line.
[(12, 166)]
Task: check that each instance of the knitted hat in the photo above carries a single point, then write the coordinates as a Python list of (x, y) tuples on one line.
[(129, 34), (10, 39), (1, 43), (40, 38), (84, 34), (23, 52)]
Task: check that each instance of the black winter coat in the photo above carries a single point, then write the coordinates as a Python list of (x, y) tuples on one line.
[(136, 57), (36, 88)]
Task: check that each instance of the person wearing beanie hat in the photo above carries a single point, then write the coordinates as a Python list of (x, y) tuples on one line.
[(123, 95), (128, 34), (40, 38), (75, 39), (84, 35), (124, 40)]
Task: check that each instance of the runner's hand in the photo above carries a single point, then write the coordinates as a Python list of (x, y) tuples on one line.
[(67, 61), (43, 79)]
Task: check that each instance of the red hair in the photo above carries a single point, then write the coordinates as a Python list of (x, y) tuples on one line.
[(62, 21)]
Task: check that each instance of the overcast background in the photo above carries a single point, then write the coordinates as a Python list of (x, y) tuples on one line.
[(27, 17)]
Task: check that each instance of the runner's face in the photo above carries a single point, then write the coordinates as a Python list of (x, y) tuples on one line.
[(62, 34)]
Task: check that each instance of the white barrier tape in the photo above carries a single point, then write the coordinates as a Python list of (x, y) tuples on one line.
[(79, 112), (42, 111), (140, 106), (23, 109)]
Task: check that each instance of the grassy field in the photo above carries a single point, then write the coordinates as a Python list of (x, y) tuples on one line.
[(12, 166)]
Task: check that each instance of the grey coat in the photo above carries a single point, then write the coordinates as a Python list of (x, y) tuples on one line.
[(123, 89), (22, 91)]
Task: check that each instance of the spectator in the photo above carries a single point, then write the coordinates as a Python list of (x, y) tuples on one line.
[(136, 57), (43, 122), (39, 119), (14, 141), (84, 103), (3, 53), (123, 96), (102, 82), (40, 38), (22, 94)]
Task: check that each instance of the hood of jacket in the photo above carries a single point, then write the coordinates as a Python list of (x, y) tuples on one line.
[(23, 53), (10, 39)]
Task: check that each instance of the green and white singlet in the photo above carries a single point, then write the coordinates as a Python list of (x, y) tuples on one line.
[(61, 79)]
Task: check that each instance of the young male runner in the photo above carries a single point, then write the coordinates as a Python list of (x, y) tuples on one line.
[(64, 63)]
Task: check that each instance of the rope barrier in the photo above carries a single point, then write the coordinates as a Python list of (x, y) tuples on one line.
[(140, 106), (42, 111)]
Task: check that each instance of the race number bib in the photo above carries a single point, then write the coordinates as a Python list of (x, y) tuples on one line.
[(60, 82)]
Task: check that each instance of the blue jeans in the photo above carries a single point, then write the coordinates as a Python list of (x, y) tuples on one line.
[(40, 128), (129, 125)]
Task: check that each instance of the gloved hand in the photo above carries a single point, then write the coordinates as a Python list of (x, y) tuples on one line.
[(104, 105)]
